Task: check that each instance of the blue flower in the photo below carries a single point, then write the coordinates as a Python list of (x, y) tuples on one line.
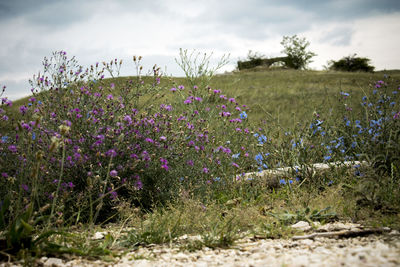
[(4, 139), (262, 139), (243, 115), (259, 158), (235, 156), (327, 158), (282, 181)]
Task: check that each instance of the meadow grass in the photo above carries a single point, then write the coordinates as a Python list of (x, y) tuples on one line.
[(160, 157)]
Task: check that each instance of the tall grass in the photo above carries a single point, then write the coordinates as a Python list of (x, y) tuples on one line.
[(84, 149)]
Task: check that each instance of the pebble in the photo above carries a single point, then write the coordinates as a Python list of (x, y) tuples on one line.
[(53, 262), (372, 250), (301, 225)]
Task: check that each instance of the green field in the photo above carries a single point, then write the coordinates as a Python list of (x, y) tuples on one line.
[(64, 170)]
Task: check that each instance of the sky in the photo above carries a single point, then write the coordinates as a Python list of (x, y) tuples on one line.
[(102, 30)]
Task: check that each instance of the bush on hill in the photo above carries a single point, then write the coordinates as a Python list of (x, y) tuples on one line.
[(352, 63)]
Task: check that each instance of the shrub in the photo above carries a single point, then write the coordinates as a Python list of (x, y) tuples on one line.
[(352, 63), (254, 59), (84, 143)]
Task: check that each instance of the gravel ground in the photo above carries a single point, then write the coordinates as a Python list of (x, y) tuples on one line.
[(371, 250)]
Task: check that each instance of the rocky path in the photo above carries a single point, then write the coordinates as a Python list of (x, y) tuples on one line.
[(341, 244)]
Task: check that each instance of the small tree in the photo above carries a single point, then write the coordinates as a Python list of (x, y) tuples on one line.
[(352, 63), (296, 50)]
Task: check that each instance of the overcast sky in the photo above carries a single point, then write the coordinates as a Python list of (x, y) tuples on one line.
[(101, 30)]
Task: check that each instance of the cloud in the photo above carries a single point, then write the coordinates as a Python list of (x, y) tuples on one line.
[(100, 30)]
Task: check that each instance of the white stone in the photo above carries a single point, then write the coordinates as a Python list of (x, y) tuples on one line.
[(98, 235), (53, 262), (301, 225)]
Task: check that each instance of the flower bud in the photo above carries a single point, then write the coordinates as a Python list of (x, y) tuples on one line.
[(64, 129), (55, 142)]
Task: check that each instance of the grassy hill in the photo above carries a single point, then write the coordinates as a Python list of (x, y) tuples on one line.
[(172, 162), (281, 96)]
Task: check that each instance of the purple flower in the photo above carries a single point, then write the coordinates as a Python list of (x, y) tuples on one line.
[(112, 85), (205, 170), (198, 99), (12, 148), (23, 109), (232, 100), (109, 97), (111, 153), (163, 138), (134, 156), (138, 183), (149, 140), (190, 162), (113, 173), (128, 119), (25, 187), (235, 165), (187, 101), (181, 87), (165, 167), (4, 174), (217, 91), (173, 89)]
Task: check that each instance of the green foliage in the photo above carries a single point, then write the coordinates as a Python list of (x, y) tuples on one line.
[(298, 57), (197, 67), (254, 59), (305, 215), (221, 234), (351, 63)]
